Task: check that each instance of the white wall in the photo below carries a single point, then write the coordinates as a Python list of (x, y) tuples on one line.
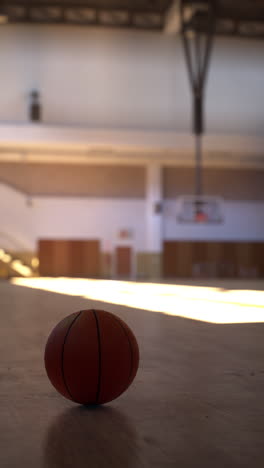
[(17, 226), (102, 219), (68, 218), (242, 221), (120, 79), (84, 218)]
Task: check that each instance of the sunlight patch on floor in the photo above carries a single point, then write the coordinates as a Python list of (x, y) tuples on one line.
[(208, 304)]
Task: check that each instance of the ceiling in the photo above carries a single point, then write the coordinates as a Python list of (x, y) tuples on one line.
[(244, 18)]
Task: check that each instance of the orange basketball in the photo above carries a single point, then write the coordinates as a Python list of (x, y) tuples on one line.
[(91, 357)]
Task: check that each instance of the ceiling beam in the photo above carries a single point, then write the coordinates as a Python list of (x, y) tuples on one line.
[(82, 15)]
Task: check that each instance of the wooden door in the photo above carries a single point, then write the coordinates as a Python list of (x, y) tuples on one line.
[(199, 259), (60, 259), (177, 259), (45, 255), (228, 260), (123, 259), (73, 258), (91, 259)]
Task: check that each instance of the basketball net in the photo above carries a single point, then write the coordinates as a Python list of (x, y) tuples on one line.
[(201, 217)]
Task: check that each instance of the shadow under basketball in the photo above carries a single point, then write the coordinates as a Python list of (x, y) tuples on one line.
[(90, 436)]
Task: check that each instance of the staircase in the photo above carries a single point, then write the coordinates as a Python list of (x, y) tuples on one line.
[(14, 258), (13, 266)]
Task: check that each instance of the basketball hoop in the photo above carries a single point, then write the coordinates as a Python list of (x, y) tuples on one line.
[(199, 209), (201, 217)]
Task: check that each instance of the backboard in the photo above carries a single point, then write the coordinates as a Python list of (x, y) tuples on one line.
[(200, 209)]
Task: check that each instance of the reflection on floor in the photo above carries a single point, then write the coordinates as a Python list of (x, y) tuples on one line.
[(207, 303)]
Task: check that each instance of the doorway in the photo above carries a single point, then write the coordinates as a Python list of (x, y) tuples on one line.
[(123, 261)]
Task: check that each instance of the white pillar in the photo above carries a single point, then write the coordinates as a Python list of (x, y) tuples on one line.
[(154, 208)]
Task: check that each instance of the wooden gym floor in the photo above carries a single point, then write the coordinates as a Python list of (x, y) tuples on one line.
[(197, 400)]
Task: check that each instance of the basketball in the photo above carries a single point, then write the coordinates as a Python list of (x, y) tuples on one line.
[(91, 357)]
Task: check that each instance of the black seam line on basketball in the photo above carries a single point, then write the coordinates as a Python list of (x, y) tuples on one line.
[(99, 357), (62, 354), (130, 346)]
